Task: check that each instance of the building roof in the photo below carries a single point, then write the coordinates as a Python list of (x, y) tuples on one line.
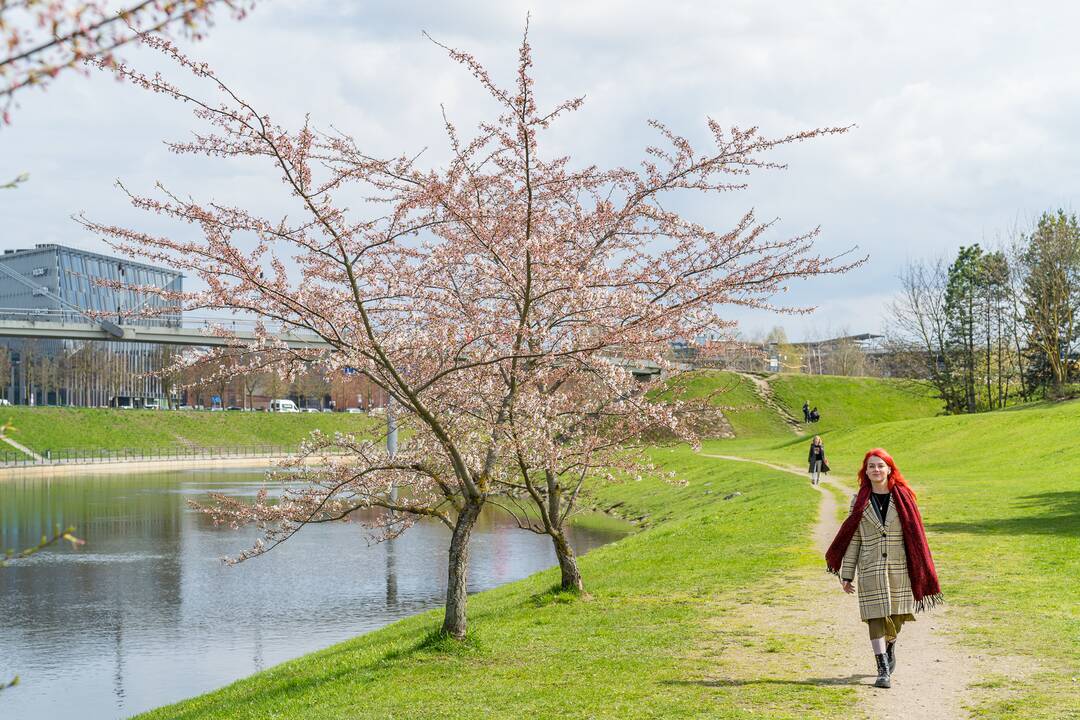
[(53, 247)]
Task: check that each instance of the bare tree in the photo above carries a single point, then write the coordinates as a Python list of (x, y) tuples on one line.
[(918, 322)]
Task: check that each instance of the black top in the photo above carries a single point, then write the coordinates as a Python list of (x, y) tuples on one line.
[(817, 452), (880, 501)]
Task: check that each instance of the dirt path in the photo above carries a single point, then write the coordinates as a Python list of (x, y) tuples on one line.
[(764, 391), (807, 611)]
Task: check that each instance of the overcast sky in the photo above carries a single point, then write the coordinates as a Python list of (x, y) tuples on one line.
[(965, 112)]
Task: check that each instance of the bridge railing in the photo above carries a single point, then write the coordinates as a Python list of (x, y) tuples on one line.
[(177, 319), (80, 456)]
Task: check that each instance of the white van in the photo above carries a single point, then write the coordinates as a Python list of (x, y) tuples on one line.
[(283, 406)]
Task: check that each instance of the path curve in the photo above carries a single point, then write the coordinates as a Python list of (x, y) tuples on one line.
[(932, 675)]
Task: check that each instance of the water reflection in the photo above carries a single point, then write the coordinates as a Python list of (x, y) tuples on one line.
[(147, 614)]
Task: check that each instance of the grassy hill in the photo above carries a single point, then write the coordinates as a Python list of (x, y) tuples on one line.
[(1001, 502), (1000, 497), (852, 401), (47, 428), (737, 398), (842, 401), (1002, 508)]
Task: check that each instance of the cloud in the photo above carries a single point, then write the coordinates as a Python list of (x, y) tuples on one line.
[(964, 112)]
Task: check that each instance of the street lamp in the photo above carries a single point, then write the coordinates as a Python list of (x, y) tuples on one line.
[(14, 365)]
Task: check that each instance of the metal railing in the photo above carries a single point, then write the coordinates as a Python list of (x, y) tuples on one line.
[(171, 319), (77, 456)]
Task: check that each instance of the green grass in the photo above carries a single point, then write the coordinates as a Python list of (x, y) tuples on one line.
[(1001, 502), (853, 401), (633, 648), (48, 428), (736, 396)]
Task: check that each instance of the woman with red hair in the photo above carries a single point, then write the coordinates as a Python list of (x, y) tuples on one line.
[(883, 539)]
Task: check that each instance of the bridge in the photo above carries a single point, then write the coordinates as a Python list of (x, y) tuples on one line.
[(58, 325), (197, 332)]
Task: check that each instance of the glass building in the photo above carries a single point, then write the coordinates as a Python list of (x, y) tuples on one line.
[(56, 283)]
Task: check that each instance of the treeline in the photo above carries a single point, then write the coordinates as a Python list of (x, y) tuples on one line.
[(991, 328)]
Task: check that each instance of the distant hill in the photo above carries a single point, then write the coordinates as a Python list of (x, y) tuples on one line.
[(842, 401), (854, 401), (735, 396)]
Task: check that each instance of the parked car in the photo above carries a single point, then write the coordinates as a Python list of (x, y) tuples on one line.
[(354, 410), (185, 407), (234, 407), (283, 405), (314, 410), (4, 401), (328, 410)]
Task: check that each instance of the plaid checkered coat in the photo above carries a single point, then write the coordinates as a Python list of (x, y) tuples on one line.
[(877, 552)]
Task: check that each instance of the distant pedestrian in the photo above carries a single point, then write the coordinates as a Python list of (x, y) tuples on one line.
[(806, 411), (883, 540), (815, 415), (818, 464)]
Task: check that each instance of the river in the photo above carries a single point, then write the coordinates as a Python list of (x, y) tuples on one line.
[(146, 613)]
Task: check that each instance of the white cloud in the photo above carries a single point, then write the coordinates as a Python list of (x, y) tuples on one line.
[(965, 112)]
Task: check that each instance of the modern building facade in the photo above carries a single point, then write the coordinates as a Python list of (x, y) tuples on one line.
[(62, 284)]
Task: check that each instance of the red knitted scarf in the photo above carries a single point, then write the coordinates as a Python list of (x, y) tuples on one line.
[(920, 565)]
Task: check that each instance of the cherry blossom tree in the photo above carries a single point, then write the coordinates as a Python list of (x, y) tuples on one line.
[(43, 38), (500, 298)]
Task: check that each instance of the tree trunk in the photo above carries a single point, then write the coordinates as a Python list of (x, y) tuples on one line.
[(564, 551), (456, 594)]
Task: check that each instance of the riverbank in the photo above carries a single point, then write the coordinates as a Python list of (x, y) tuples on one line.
[(255, 462), (59, 430), (653, 638), (703, 613)]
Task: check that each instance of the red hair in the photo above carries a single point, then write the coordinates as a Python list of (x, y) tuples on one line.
[(895, 477)]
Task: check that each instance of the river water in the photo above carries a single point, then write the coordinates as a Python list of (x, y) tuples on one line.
[(146, 613)]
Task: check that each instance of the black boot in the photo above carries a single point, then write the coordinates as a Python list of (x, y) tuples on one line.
[(883, 679), (890, 654)]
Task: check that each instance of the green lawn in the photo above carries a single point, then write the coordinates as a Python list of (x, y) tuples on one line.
[(634, 648), (853, 401), (47, 428), (1001, 500), (735, 395)]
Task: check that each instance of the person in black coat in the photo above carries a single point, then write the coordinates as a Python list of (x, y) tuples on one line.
[(806, 411), (817, 461)]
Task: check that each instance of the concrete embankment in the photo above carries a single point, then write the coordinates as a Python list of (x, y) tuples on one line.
[(138, 466)]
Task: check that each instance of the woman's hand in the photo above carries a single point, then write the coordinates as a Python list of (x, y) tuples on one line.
[(847, 586)]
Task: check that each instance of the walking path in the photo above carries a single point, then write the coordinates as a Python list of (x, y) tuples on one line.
[(764, 391), (20, 447), (809, 613)]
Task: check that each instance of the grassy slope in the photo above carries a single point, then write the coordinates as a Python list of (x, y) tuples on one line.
[(632, 650), (741, 405), (91, 429), (852, 401), (1001, 503), (1002, 508)]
